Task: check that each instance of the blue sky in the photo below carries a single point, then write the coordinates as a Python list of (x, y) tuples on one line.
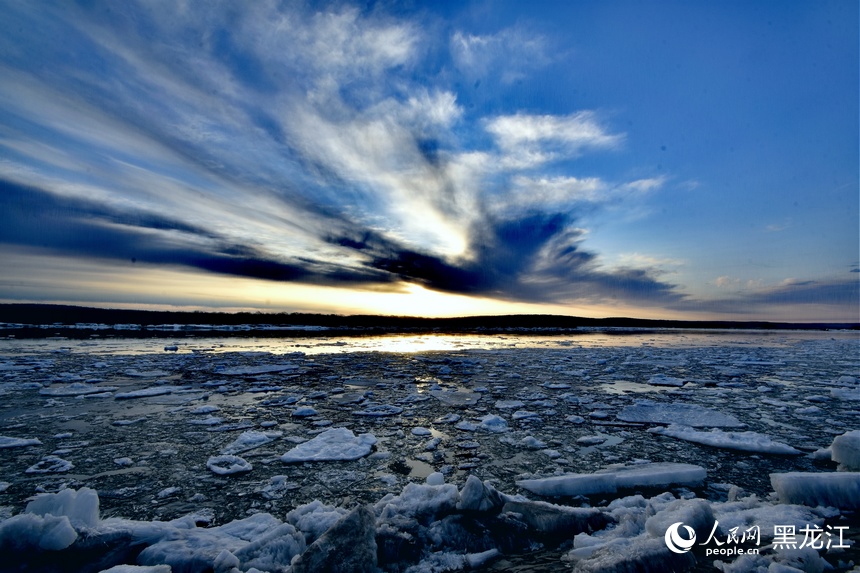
[(653, 159)]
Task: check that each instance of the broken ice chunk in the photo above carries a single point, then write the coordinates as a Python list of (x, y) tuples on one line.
[(379, 410), (331, 445), (836, 489), (845, 450), (493, 423), (509, 404), (304, 412), (458, 398), (250, 440), (50, 464), (227, 465)]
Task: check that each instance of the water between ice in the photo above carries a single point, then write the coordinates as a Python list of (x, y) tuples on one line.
[(207, 431)]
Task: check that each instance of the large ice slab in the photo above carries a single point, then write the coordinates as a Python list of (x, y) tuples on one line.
[(836, 489), (648, 411), (332, 445), (609, 481), (743, 441)]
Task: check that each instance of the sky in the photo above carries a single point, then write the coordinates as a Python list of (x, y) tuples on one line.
[(670, 159)]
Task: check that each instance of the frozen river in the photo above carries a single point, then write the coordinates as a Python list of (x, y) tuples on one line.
[(252, 437)]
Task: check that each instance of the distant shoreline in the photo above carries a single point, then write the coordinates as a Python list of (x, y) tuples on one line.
[(46, 320)]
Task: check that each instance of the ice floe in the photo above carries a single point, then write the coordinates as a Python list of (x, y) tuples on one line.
[(226, 464), (332, 445), (743, 441), (50, 464), (10, 442), (249, 440), (609, 481), (648, 411)]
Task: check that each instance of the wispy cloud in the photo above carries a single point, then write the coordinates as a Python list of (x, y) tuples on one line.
[(507, 56), (528, 141)]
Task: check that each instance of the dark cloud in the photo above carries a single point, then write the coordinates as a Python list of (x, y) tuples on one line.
[(536, 258), (79, 227)]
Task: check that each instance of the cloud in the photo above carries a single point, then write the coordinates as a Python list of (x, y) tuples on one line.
[(285, 143), (507, 56), (844, 293), (33, 218), (837, 299), (563, 193), (528, 141), (727, 282)]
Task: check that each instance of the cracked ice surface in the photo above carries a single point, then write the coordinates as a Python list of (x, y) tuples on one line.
[(506, 411)]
